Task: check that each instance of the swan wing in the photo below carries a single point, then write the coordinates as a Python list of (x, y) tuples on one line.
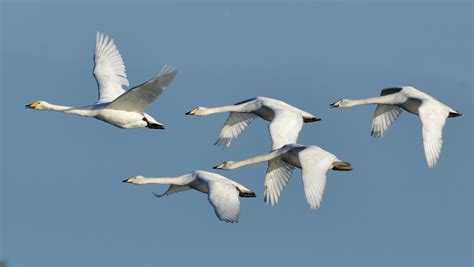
[(384, 116), (314, 164), (109, 69), (138, 98), (225, 200), (277, 177), (173, 189), (285, 127), (433, 117), (233, 127)]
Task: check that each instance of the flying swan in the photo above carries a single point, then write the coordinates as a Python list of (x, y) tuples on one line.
[(124, 109), (285, 120), (312, 160), (223, 193), (390, 103)]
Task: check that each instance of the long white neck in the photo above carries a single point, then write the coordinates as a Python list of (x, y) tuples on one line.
[(253, 160), (164, 180), (222, 109), (85, 111), (386, 99)]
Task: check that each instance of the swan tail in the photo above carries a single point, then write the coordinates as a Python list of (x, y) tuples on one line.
[(247, 194)]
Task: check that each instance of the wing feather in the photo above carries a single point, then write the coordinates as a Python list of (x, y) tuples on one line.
[(225, 200), (109, 69), (233, 127), (432, 120), (173, 189), (138, 98), (384, 116), (315, 162), (276, 179), (285, 127)]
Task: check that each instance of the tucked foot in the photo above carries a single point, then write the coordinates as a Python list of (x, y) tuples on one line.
[(306, 120), (247, 194), (151, 125), (341, 166), (454, 114)]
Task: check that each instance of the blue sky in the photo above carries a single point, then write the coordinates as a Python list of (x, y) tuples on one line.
[(62, 200)]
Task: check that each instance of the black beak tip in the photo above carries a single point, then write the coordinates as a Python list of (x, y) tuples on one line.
[(125, 181), (187, 113), (215, 167)]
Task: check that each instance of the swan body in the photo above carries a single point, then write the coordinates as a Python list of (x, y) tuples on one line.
[(223, 193), (393, 101), (123, 109), (312, 160), (285, 120)]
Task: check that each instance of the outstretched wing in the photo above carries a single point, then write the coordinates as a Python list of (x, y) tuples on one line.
[(233, 127), (109, 69), (138, 98), (285, 127), (384, 116), (173, 189), (277, 177), (225, 200), (433, 119), (315, 162)]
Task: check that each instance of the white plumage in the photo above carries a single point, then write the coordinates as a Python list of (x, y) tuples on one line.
[(313, 160), (390, 104), (124, 109), (223, 193), (285, 120)]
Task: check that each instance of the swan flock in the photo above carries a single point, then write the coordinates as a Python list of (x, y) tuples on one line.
[(126, 109)]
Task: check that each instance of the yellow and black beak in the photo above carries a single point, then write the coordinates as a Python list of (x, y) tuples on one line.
[(32, 105)]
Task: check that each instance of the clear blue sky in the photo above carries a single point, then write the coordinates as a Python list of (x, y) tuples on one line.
[(62, 200)]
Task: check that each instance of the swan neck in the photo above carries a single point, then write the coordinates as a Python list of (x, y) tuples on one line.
[(253, 160), (71, 110), (222, 109), (388, 99), (160, 180)]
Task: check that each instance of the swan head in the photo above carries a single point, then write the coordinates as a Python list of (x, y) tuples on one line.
[(343, 103), (226, 165), (135, 180), (39, 105), (199, 111)]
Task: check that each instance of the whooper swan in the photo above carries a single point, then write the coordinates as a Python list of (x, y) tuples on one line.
[(312, 160), (124, 109), (432, 113), (285, 120), (223, 193)]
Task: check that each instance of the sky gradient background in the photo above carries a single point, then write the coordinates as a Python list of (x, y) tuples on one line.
[(62, 200)]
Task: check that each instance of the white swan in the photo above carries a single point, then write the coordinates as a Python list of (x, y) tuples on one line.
[(223, 193), (285, 120), (312, 160), (124, 109), (432, 113)]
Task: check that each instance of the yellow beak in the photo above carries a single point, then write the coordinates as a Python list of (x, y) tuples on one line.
[(32, 105)]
